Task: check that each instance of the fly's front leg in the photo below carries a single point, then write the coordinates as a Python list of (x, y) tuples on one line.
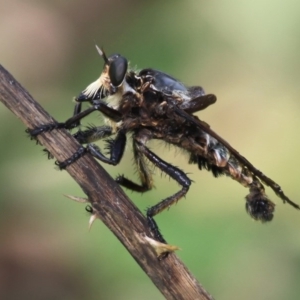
[(77, 111), (75, 119), (81, 136), (69, 124)]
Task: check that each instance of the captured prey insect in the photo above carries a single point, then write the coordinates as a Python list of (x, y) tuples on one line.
[(150, 104)]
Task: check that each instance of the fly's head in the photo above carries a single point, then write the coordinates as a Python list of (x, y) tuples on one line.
[(111, 80)]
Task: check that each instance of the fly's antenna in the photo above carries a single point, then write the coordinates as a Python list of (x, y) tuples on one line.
[(102, 53)]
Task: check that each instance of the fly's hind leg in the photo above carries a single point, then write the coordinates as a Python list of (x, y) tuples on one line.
[(174, 173), (142, 151), (143, 172)]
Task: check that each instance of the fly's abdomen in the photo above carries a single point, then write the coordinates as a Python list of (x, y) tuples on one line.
[(216, 158)]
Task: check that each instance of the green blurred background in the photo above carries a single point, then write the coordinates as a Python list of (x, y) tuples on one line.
[(245, 52)]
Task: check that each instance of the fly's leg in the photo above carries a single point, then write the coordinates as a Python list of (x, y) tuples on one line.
[(77, 111), (170, 170), (174, 173), (69, 124), (115, 148), (140, 152), (143, 172), (92, 134), (75, 119)]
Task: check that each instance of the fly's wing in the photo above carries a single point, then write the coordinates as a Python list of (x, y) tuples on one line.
[(198, 103), (162, 82), (268, 181), (190, 99)]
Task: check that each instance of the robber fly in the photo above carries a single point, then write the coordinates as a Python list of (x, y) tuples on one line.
[(150, 104)]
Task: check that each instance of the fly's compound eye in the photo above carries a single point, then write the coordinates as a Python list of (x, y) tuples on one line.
[(117, 69)]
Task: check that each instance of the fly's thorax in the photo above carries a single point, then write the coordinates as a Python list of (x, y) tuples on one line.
[(114, 125), (114, 100)]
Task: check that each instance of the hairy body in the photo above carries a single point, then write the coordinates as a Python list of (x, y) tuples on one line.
[(153, 105)]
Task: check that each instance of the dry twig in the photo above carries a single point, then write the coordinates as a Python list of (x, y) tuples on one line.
[(107, 199)]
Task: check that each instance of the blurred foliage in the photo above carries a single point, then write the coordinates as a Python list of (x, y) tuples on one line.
[(245, 52)]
